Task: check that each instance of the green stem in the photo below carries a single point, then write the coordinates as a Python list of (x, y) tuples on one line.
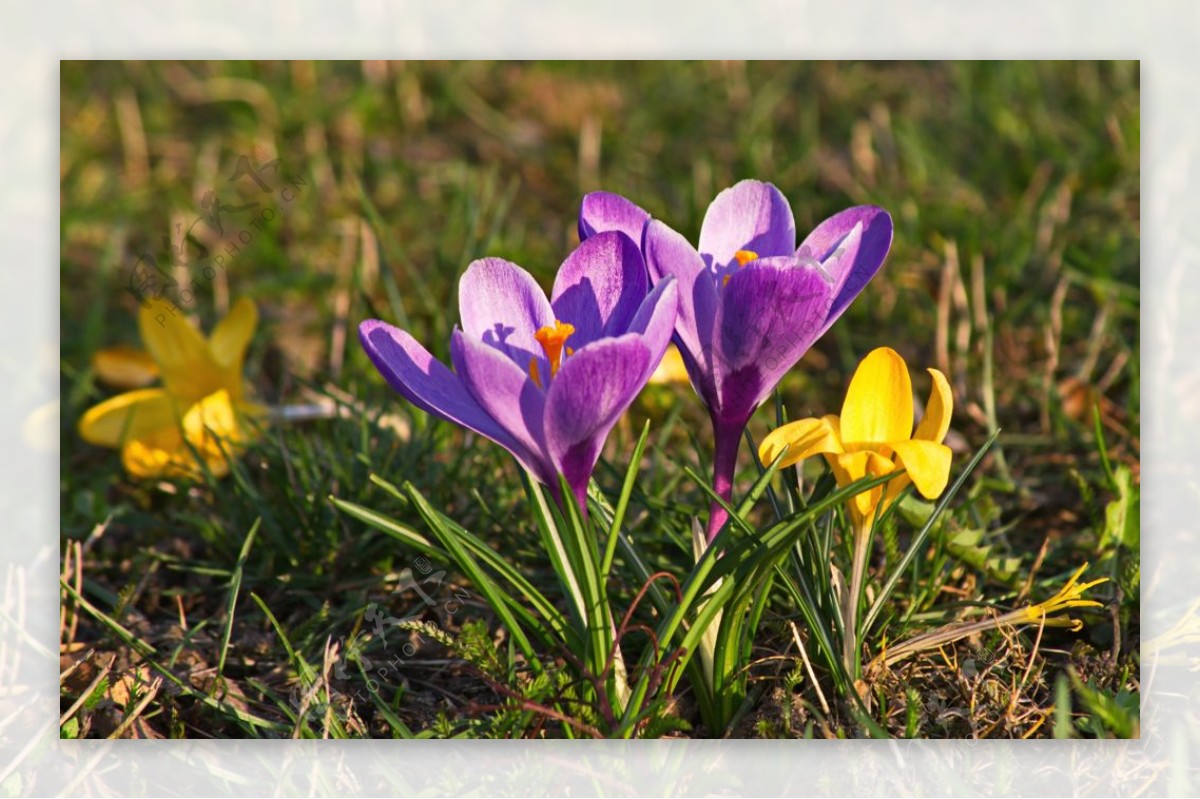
[(862, 546)]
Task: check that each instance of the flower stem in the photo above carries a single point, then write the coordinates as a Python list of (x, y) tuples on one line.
[(727, 438), (862, 546), (580, 492)]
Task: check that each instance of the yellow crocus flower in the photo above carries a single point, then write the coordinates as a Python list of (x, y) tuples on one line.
[(200, 410), (874, 435)]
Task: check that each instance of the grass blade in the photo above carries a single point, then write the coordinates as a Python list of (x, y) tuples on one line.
[(499, 600), (618, 516), (919, 539), (235, 585), (490, 558)]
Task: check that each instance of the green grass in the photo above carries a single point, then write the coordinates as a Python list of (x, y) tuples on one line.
[(1015, 269)]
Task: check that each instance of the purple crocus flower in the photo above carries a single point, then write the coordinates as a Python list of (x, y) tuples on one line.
[(751, 302), (545, 379)]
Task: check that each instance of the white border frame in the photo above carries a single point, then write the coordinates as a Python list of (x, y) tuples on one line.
[(1162, 34)]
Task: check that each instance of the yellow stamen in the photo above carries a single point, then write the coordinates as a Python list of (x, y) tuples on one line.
[(552, 340), (533, 372)]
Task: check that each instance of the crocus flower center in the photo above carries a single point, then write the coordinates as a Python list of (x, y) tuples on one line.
[(743, 257), (552, 338)]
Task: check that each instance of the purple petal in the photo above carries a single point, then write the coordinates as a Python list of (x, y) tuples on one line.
[(500, 304), (655, 320), (750, 215), (771, 312), (426, 382), (857, 264), (600, 287), (836, 265), (505, 392), (602, 210), (669, 254), (589, 394)]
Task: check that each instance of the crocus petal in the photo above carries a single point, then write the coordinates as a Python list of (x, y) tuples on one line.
[(129, 415), (749, 215), (769, 314), (835, 267), (188, 368), (938, 409), (856, 266), (159, 453), (505, 393), (124, 366), (803, 439), (590, 392), (210, 429), (211, 425), (927, 464), (426, 382), (878, 406), (655, 320), (500, 304), (600, 287), (669, 254), (232, 335), (853, 466), (601, 211)]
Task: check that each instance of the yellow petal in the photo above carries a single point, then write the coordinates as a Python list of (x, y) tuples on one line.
[(802, 439), (936, 422), (927, 464), (232, 334), (894, 487), (210, 429), (853, 466), (214, 427), (167, 456), (212, 416), (157, 453), (188, 368), (127, 416), (124, 366), (878, 406)]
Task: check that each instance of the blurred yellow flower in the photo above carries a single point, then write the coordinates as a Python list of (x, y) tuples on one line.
[(670, 369), (874, 435), (124, 366), (200, 411)]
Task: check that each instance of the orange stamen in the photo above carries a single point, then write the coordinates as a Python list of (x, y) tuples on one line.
[(743, 257), (552, 339)]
